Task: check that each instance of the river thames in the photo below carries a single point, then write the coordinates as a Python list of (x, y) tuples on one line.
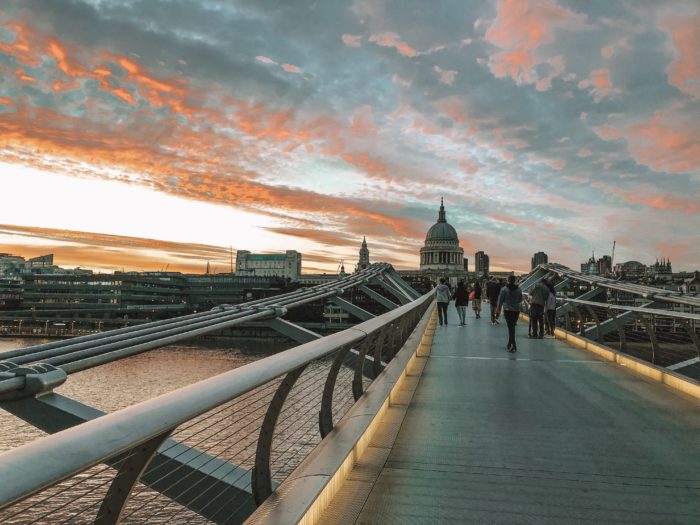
[(128, 381)]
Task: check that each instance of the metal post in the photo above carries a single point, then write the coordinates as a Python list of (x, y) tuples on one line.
[(378, 346), (130, 471), (598, 335), (693, 335), (357, 385), (261, 474), (648, 325), (325, 415), (581, 328)]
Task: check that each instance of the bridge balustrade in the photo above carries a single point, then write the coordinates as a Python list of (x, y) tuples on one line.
[(208, 452), (658, 327)]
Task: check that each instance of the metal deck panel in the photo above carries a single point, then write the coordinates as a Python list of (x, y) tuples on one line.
[(548, 435)]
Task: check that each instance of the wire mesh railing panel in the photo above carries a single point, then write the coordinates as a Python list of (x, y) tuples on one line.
[(297, 431), (215, 466), (659, 337), (73, 501), (205, 465)]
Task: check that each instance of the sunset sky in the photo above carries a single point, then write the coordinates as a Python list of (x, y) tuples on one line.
[(145, 134)]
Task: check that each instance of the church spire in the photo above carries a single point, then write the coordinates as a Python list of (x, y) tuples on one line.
[(441, 215)]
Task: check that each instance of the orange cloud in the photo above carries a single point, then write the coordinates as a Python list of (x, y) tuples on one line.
[(599, 84), (352, 40), (519, 29), (661, 201), (684, 71), (667, 142), (393, 40), (290, 68)]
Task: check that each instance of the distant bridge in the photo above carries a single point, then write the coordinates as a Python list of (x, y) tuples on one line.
[(328, 431)]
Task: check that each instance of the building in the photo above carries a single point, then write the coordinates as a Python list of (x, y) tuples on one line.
[(364, 256), (441, 256), (11, 265), (692, 285), (631, 271), (481, 264), (660, 271), (537, 259), (286, 265), (604, 265), (589, 267)]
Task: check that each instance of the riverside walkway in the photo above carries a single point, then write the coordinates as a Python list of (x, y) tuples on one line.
[(549, 435)]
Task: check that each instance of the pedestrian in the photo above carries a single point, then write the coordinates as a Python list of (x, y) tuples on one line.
[(493, 288), (509, 301), (461, 297), (550, 309), (476, 302), (442, 295), (538, 298)]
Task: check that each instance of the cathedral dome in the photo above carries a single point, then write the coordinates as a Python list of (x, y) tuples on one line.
[(442, 231)]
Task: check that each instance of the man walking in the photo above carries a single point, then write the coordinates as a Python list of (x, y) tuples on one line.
[(493, 288), (442, 295), (538, 298), (509, 300)]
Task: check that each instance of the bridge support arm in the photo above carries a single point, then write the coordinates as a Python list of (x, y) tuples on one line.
[(400, 295), (291, 330), (379, 298), (360, 313)]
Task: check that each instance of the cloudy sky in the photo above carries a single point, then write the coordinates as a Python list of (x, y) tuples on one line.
[(146, 134)]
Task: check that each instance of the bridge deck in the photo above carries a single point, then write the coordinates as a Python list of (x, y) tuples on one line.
[(549, 435)]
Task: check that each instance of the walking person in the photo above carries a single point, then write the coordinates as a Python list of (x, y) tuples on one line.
[(550, 310), (538, 298), (461, 297), (493, 288), (442, 295), (476, 302), (509, 301)]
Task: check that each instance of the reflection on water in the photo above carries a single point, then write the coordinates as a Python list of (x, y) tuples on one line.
[(128, 381)]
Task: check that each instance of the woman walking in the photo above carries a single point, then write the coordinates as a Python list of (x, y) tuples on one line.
[(476, 302), (509, 300), (550, 309), (461, 297)]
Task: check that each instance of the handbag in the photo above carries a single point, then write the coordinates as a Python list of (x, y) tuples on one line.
[(471, 295)]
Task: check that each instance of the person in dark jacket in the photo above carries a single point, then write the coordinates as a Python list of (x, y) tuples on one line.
[(442, 295), (476, 302), (550, 310), (509, 301), (493, 288), (461, 297), (538, 298)]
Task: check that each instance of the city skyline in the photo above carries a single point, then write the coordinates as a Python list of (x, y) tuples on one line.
[(137, 135)]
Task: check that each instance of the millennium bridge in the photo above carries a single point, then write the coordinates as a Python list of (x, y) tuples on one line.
[(394, 420)]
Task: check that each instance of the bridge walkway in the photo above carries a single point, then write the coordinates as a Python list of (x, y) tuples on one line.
[(548, 435)]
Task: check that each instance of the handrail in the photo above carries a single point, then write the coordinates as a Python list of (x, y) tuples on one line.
[(649, 311), (76, 449), (645, 291), (89, 351)]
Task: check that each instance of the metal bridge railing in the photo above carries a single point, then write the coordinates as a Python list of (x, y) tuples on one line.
[(205, 453), (84, 352), (661, 337), (659, 332)]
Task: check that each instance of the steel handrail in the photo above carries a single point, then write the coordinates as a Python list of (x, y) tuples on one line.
[(649, 311), (76, 449), (648, 292), (87, 341)]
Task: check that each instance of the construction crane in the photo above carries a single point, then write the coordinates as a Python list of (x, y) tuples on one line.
[(612, 255)]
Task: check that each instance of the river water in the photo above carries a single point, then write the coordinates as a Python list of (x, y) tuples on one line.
[(128, 381)]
